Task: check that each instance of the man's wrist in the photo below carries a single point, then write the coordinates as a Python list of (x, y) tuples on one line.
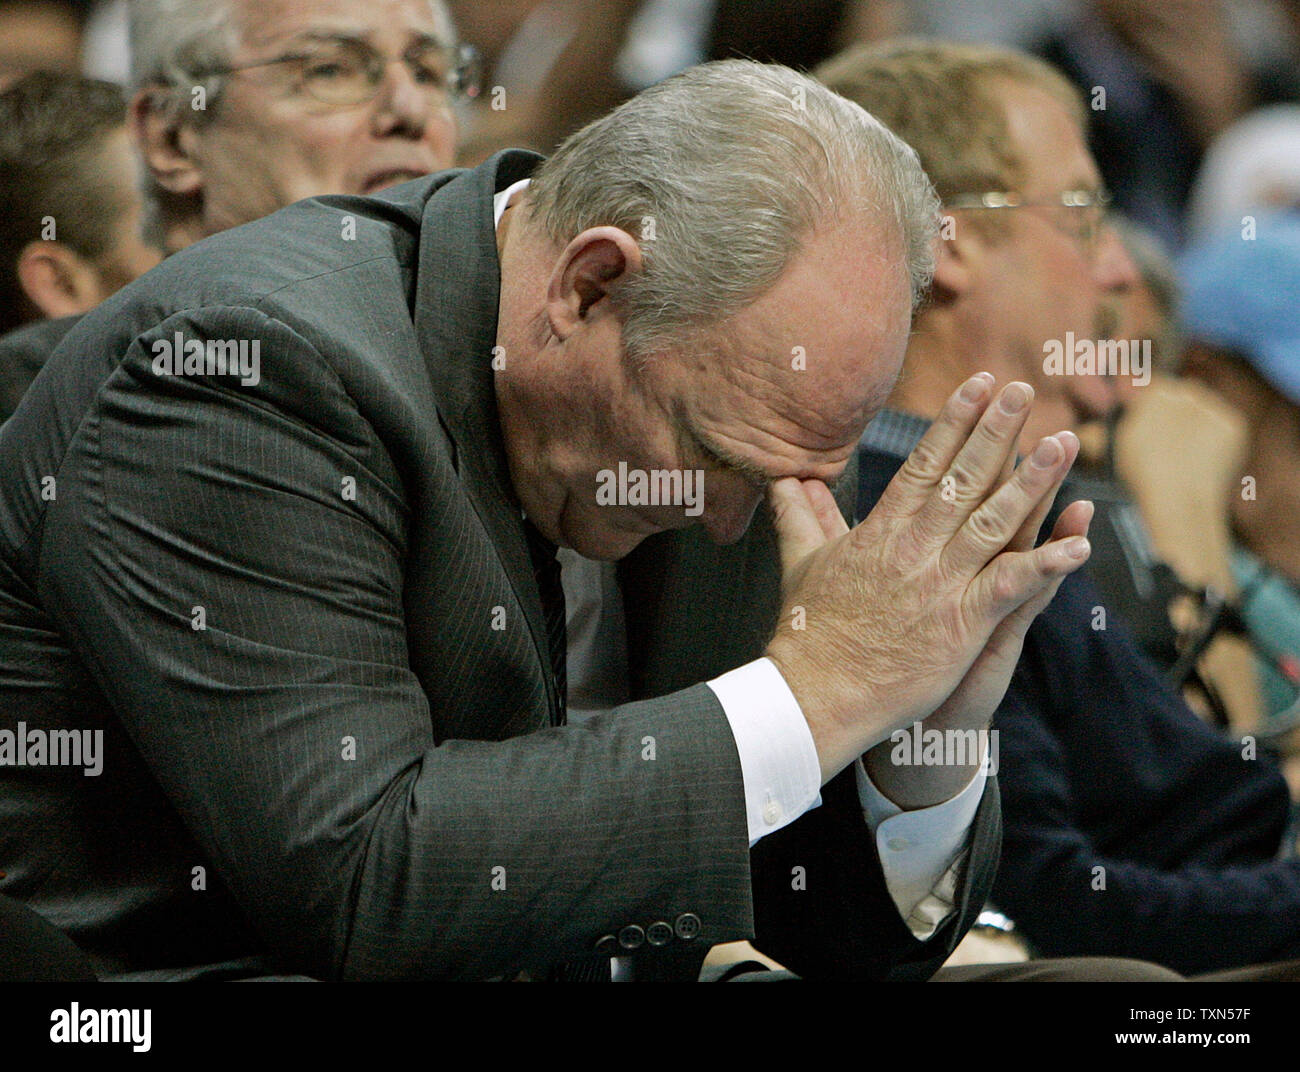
[(927, 764), (838, 744)]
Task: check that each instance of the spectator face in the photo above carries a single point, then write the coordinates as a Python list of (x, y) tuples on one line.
[(1056, 269), (1267, 520), (1135, 314), (283, 131), (131, 256), (1269, 523)]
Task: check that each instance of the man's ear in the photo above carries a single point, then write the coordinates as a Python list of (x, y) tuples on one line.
[(58, 281), (591, 264), (959, 250), (164, 144)]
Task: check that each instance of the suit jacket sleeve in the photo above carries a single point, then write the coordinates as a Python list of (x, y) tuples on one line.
[(838, 920), (228, 561)]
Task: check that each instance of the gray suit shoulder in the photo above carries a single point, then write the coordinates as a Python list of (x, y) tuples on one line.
[(309, 270), (23, 353), (319, 237)]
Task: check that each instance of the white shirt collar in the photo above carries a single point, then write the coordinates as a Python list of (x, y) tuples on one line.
[(499, 201)]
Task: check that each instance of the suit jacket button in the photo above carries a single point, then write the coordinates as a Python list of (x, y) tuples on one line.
[(631, 937), (660, 933), (687, 926), (607, 945)]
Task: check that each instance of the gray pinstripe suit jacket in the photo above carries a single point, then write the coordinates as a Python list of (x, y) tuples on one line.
[(277, 601)]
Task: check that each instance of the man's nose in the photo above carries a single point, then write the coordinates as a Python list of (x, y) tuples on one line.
[(1113, 267), (404, 107), (727, 520)]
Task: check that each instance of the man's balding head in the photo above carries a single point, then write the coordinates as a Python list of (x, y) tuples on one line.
[(718, 277)]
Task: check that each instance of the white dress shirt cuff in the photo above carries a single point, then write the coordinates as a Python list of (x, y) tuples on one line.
[(921, 851), (778, 760)]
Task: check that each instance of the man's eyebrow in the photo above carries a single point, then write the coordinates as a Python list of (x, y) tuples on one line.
[(427, 40), (326, 37), (421, 39)]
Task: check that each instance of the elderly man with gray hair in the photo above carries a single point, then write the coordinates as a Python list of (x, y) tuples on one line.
[(312, 597), (242, 107)]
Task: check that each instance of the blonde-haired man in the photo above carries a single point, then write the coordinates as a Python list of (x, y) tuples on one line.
[(1131, 827)]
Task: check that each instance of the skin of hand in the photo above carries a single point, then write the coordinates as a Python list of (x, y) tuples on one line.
[(1166, 33), (1179, 449), (920, 611)]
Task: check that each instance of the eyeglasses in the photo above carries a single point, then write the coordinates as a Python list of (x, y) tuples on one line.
[(1087, 217), (348, 72)]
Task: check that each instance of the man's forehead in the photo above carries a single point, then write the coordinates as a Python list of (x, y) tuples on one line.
[(834, 324), (266, 22), (1048, 141), (818, 379)]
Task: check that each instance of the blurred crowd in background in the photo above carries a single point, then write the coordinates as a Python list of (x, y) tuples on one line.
[(549, 66)]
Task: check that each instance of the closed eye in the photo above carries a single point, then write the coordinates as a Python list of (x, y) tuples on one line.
[(724, 459)]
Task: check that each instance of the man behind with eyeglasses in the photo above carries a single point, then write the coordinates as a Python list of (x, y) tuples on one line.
[(1131, 827), (242, 107)]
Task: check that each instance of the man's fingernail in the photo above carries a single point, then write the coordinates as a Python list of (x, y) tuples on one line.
[(1078, 547), (1045, 454), (1014, 399), (973, 389)]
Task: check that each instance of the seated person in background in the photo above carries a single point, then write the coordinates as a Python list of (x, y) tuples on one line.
[(1252, 169), (240, 110), (1125, 564), (69, 209), (1164, 77), (1131, 827), (1244, 344)]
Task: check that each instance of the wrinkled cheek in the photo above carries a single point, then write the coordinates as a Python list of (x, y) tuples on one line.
[(311, 157), (248, 181), (442, 137)]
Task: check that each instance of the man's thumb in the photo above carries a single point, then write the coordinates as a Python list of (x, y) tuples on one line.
[(798, 530)]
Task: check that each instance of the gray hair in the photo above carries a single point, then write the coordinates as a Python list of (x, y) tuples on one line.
[(720, 172), (172, 41), (173, 44)]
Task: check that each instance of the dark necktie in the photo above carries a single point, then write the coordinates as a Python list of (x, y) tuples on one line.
[(546, 568)]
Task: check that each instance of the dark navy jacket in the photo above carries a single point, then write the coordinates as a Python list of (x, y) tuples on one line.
[(1130, 827)]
